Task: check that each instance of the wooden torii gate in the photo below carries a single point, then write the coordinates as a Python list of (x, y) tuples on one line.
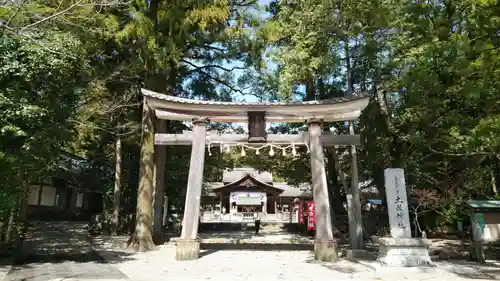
[(160, 107)]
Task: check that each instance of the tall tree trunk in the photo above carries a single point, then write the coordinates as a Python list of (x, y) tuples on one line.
[(23, 209), (142, 239), (10, 225), (118, 181), (335, 182)]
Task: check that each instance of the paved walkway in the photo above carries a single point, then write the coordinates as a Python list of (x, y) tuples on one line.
[(247, 265), (60, 251), (266, 236)]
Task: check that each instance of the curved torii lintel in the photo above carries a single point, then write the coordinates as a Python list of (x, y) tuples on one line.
[(175, 108)]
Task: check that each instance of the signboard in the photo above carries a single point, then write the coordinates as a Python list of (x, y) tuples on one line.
[(248, 198), (248, 201), (397, 203), (301, 212), (480, 231), (311, 216)]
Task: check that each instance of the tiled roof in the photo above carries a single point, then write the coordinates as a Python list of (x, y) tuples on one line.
[(292, 191), (164, 97), (484, 204), (238, 173)]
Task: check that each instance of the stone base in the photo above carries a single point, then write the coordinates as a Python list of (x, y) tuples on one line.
[(325, 250), (408, 252), (187, 250), (359, 254)]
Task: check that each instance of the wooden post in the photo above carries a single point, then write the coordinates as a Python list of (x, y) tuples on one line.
[(324, 245), (220, 202), (165, 210), (356, 230), (188, 247), (115, 222), (159, 193)]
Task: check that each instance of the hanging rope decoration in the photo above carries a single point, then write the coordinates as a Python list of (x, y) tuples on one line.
[(228, 147)]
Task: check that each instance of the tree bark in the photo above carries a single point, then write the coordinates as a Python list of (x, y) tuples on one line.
[(10, 225), (159, 193), (335, 182), (117, 192), (23, 209), (142, 239)]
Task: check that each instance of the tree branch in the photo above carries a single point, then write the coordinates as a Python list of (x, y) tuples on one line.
[(51, 16), (461, 154), (198, 68)]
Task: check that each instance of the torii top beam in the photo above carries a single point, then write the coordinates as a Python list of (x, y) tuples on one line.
[(175, 108)]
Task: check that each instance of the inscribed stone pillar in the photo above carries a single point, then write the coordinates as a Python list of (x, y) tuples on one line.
[(397, 203), (324, 245), (159, 193), (188, 247), (400, 249), (356, 229)]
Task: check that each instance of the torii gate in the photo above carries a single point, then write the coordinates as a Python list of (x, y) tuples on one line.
[(159, 107)]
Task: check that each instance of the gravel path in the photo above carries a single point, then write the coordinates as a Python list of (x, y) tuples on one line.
[(245, 265), (60, 251)]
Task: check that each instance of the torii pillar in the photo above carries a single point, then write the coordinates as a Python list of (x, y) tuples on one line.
[(325, 246), (188, 246)]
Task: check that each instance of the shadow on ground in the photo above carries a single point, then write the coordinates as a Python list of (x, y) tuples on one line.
[(210, 248), (62, 250), (471, 270), (256, 246)]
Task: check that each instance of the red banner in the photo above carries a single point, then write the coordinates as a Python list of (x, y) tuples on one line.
[(311, 216), (301, 212)]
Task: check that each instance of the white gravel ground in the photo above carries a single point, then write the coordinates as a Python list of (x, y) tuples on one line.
[(279, 265)]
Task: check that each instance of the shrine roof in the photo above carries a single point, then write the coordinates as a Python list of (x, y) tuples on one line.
[(238, 173), (177, 108), (247, 181), (484, 204)]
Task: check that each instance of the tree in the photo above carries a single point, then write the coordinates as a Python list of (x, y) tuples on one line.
[(39, 94)]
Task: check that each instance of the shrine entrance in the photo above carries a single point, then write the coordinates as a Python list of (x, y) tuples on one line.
[(159, 107)]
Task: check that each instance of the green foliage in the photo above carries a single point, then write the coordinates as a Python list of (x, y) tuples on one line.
[(39, 91), (432, 69), (71, 71)]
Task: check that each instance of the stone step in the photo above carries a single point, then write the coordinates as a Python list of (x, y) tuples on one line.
[(253, 240)]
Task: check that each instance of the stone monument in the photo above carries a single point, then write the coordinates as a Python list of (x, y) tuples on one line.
[(400, 249)]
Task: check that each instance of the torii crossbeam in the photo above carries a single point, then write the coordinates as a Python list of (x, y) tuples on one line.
[(186, 138)]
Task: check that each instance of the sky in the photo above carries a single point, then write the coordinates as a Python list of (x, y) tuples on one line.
[(237, 73)]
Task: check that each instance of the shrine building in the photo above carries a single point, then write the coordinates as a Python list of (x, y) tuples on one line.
[(244, 191)]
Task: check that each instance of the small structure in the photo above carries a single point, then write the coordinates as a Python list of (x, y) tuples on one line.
[(245, 190), (485, 224), (400, 249), (63, 194), (201, 113)]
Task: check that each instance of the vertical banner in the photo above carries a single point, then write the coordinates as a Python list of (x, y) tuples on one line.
[(311, 216), (301, 211)]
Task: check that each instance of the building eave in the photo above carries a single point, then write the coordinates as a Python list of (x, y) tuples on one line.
[(243, 179)]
